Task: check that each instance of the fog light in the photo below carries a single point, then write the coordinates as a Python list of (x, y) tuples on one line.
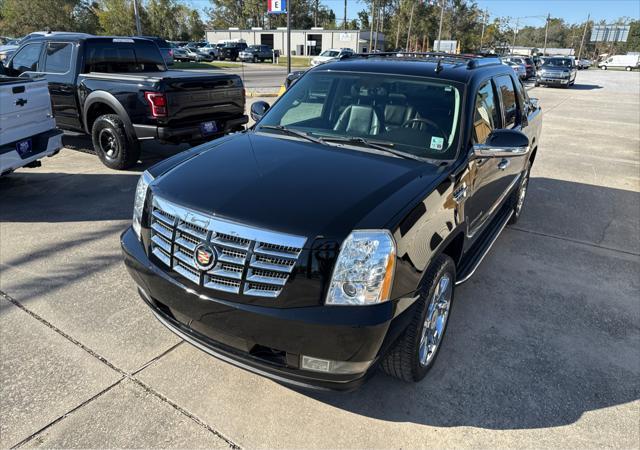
[(330, 366)]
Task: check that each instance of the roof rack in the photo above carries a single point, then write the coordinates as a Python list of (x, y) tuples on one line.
[(471, 61)]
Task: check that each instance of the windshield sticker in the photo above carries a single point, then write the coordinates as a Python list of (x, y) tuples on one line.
[(437, 143)]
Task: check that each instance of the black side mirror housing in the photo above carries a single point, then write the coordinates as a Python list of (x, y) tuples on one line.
[(258, 109)]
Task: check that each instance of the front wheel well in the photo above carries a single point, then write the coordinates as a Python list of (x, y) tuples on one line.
[(96, 110), (454, 248), (532, 158)]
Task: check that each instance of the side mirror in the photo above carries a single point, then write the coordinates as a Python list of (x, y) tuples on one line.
[(503, 144), (258, 109)]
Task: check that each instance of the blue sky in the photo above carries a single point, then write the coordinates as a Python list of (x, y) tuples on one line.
[(573, 11)]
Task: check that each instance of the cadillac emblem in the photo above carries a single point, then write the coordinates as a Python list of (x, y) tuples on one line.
[(204, 257)]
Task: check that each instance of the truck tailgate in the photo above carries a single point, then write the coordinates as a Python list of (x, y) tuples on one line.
[(195, 97), (25, 109)]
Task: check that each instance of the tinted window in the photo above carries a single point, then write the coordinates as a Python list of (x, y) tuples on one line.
[(508, 95), (123, 56), (558, 62), (58, 59), (485, 118), (27, 58)]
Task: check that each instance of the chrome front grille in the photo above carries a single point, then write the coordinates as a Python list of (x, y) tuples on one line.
[(250, 261)]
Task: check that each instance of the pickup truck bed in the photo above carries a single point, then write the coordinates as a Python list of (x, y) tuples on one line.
[(120, 92)]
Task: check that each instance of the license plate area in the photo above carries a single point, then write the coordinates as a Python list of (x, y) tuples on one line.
[(24, 148), (208, 128)]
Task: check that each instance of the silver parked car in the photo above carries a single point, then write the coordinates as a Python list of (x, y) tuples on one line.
[(519, 69)]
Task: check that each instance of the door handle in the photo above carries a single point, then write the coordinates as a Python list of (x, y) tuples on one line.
[(504, 164)]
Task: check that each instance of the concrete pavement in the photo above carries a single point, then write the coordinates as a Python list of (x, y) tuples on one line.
[(542, 348)]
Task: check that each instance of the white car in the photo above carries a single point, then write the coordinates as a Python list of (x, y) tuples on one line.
[(330, 54), (519, 69), (28, 130)]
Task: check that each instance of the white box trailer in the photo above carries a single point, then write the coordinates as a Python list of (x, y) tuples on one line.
[(629, 62)]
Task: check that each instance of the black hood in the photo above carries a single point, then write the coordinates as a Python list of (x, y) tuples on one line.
[(295, 186)]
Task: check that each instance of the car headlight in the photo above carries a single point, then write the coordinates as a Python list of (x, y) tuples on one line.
[(364, 271), (141, 195)]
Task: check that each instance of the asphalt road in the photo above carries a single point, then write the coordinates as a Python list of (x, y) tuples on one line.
[(542, 347), (260, 77)]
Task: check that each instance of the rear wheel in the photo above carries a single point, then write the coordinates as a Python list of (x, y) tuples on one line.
[(628, 68), (415, 352), (603, 67), (255, 59), (110, 141)]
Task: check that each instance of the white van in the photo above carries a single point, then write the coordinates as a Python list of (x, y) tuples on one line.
[(629, 62)]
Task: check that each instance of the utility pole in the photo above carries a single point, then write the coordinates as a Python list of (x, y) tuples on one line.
[(344, 24), (373, 11), (382, 26), (410, 22), (375, 47), (515, 33), (484, 19), (546, 33), (584, 32), (137, 16), (315, 14), (440, 28)]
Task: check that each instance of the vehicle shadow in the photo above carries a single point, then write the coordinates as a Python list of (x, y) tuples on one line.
[(585, 87), (152, 151), (546, 330)]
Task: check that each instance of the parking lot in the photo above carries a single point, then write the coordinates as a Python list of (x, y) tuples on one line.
[(542, 348)]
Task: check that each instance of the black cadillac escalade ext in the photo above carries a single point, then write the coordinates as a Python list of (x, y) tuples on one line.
[(119, 91), (329, 238)]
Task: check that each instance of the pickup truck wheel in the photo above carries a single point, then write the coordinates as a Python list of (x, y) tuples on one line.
[(519, 196), (415, 352), (111, 143)]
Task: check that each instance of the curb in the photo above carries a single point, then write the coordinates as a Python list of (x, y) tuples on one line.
[(250, 94)]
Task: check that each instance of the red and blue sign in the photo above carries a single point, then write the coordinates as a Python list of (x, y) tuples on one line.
[(277, 6)]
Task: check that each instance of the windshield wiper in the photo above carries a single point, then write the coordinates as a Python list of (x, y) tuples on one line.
[(378, 145), (291, 132)]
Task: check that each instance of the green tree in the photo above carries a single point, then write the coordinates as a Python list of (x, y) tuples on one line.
[(162, 16), (116, 17), (20, 17)]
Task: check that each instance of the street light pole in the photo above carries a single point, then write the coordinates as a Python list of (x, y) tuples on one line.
[(515, 33), (344, 25), (373, 5), (440, 28), (546, 33), (484, 19), (289, 35)]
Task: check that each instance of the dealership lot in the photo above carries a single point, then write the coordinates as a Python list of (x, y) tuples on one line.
[(542, 348)]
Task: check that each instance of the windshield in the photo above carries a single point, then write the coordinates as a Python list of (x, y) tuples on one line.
[(330, 53), (557, 62), (412, 115)]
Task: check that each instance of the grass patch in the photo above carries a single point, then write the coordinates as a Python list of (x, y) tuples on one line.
[(296, 61), (204, 65)]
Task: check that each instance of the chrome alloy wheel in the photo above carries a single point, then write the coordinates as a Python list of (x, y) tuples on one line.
[(522, 193), (435, 320), (108, 143)]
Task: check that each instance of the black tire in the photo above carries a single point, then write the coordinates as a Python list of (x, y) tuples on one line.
[(111, 143), (628, 68), (536, 84), (403, 360), (514, 199), (603, 67), (255, 59)]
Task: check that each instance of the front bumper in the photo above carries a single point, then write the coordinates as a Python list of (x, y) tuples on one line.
[(190, 133), (269, 341), (551, 81)]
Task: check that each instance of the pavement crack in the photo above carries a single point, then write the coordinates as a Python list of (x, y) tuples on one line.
[(62, 333), (575, 241), (179, 408), (71, 411), (153, 360)]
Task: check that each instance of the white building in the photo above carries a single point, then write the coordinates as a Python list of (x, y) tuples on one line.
[(303, 42)]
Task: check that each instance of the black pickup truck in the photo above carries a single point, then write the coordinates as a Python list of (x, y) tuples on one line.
[(120, 92), (330, 238), (231, 51)]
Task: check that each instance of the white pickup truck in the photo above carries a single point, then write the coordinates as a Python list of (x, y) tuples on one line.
[(28, 130)]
